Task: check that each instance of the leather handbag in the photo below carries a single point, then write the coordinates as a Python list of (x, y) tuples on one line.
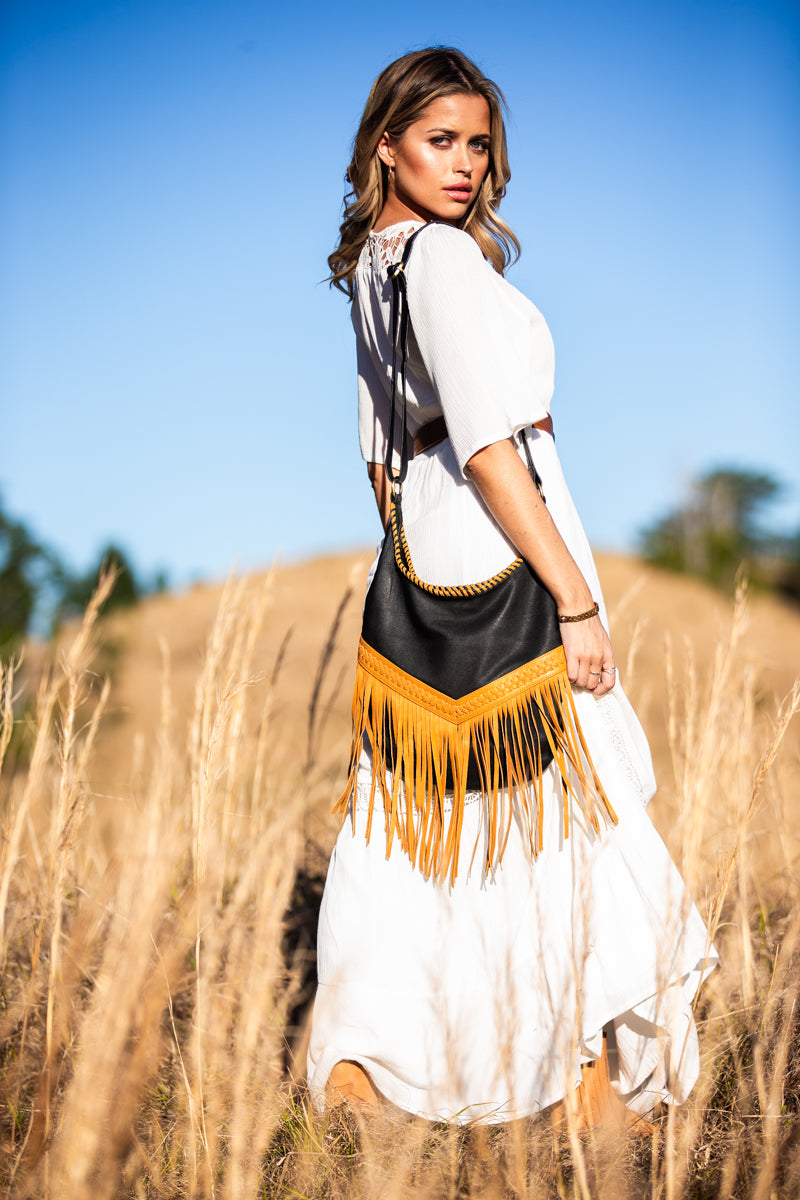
[(460, 689)]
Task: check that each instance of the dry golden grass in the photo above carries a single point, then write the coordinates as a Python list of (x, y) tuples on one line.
[(164, 835)]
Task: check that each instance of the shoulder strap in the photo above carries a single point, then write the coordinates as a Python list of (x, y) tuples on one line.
[(534, 474), (399, 322), (400, 318)]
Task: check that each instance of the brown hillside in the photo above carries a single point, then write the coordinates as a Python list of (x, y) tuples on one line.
[(648, 608)]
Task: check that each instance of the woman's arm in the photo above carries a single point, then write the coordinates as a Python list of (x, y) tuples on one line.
[(510, 495), (382, 490)]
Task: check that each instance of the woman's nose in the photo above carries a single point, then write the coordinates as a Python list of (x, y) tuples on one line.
[(463, 162)]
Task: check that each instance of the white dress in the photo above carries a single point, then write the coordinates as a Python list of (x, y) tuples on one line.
[(480, 1000)]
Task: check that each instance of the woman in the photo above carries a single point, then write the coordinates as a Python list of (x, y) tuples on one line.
[(516, 985)]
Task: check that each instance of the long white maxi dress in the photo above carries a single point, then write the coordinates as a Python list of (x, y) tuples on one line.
[(480, 1000)]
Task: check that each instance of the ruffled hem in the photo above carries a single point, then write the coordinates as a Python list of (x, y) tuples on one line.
[(478, 1001), (650, 1062)]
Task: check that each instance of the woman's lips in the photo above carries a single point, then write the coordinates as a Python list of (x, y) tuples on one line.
[(458, 193)]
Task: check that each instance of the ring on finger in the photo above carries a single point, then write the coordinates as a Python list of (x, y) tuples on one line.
[(610, 670), (595, 672)]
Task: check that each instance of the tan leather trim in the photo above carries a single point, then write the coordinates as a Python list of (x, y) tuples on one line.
[(465, 708)]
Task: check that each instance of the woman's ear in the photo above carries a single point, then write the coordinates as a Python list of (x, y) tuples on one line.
[(384, 149)]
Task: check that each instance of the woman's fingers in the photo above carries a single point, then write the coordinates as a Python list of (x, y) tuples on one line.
[(587, 672), (605, 683), (590, 658), (605, 679)]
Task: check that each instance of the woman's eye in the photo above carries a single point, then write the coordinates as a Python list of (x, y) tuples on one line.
[(444, 141)]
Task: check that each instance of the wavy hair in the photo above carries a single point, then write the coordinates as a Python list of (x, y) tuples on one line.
[(397, 98)]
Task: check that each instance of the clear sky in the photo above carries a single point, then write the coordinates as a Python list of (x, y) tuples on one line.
[(176, 377)]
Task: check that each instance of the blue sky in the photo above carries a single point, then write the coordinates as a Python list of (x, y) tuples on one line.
[(176, 377)]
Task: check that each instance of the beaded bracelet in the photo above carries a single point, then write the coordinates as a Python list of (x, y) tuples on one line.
[(584, 616)]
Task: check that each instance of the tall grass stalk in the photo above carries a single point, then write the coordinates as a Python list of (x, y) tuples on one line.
[(154, 985)]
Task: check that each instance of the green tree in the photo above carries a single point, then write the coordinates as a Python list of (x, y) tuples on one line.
[(78, 590), (718, 530), (37, 590), (27, 570)]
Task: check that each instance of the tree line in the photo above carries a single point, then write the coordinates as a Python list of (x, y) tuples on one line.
[(39, 592), (720, 531), (715, 534)]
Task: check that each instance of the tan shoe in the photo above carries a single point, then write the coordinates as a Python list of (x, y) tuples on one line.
[(349, 1083), (594, 1103)]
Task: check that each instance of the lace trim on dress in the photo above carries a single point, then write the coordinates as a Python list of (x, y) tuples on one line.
[(387, 245), (622, 752)]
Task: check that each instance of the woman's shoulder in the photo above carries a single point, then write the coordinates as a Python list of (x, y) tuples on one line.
[(433, 239), (436, 239), (444, 257), (443, 262), (447, 267)]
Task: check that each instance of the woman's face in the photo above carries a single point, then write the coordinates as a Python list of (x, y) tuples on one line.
[(439, 163)]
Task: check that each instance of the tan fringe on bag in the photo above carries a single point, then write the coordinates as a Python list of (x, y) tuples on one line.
[(422, 739)]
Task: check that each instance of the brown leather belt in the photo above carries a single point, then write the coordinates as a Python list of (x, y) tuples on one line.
[(436, 431)]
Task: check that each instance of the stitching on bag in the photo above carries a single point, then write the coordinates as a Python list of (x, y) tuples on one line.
[(464, 708)]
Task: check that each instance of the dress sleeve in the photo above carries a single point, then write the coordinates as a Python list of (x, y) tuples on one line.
[(487, 350), (373, 407)]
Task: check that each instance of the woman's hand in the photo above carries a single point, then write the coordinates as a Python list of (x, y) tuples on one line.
[(590, 658)]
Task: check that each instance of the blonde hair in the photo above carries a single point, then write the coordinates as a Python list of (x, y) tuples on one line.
[(397, 98)]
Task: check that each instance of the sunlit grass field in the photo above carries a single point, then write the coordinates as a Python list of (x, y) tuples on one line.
[(164, 807)]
